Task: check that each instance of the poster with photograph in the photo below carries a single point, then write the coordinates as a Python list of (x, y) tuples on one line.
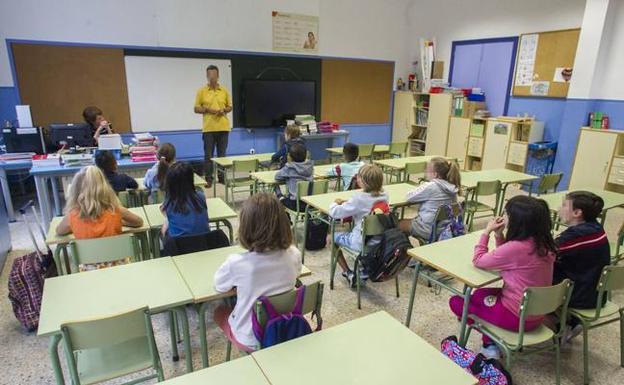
[(295, 33), (526, 59)]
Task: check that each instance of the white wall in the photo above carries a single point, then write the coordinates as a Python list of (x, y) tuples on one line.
[(348, 28), (451, 20), (608, 81)]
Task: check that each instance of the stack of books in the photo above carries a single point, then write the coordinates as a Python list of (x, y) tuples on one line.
[(46, 160), (306, 123), (77, 160), (16, 156), (328, 127), (144, 149)]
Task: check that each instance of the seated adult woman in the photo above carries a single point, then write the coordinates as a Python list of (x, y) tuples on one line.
[(99, 125)]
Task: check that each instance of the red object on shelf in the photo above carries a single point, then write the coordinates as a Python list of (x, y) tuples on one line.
[(436, 90), (605, 122)]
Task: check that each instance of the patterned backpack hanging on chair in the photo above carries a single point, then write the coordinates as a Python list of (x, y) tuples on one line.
[(451, 227)]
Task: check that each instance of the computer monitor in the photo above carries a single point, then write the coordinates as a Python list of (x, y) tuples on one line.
[(24, 139), (71, 135)]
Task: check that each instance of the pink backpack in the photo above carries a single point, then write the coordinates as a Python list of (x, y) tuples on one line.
[(487, 371)]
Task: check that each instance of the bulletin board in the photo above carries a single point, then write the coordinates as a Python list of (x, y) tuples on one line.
[(356, 91), (543, 62)]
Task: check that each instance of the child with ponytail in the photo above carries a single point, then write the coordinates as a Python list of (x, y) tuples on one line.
[(155, 177)]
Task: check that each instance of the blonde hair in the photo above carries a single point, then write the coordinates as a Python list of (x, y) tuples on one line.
[(372, 179), (91, 194), (292, 131), (447, 170), (273, 234)]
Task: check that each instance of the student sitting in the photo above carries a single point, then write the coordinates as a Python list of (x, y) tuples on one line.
[(106, 161), (524, 257), (441, 189), (185, 208), (583, 251), (370, 178), (297, 169), (348, 170), (269, 267), (94, 211), (155, 177), (291, 136)]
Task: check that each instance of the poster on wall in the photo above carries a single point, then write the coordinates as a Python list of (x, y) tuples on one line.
[(295, 33), (526, 59)]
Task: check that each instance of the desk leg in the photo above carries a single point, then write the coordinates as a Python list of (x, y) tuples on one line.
[(155, 242), (183, 319), (464, 318), (42, 198), (54, 358), (144, 242), (230, 230), (332, 230), (55, 196), (4, 182), (410, 307), (305, 232), (201, 315), (502, 199)]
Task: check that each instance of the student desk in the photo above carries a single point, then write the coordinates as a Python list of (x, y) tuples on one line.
[(11, 165), (318, 207), (226, 162), (267, 178), (333, 136), (61, 241), (347, 354), (396, 166), (380, 149), (469, 180), (452, 257), (611, 200), (241, 371), (218, 212), (198, 181), (43, 175), (198, 270), (102, 293)]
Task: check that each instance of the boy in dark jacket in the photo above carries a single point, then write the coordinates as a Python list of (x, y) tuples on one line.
[(106, 161), (291, 136), (297, 169), (583, 251)]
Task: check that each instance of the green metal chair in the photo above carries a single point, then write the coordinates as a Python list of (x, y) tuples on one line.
[(548, 183), (366, 151), (102, 250), (397, 149), (130, 198), (370, 227), (284, 303), (303, 190), (612, 278), (617, 254), (107, 348), (535, 301), (474, 206), (414, 169), (246, 183)]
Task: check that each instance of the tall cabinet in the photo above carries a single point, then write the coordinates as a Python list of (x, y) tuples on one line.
[(457, 146), (410, 120), (599, 160), (507, 142), (438, 123)]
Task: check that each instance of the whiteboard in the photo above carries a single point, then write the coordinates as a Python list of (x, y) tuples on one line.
[(162, 90)]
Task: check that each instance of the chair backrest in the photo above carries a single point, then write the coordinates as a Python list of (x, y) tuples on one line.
[(366, 150), (485, 188), (549, 182), (111, 336), (156, 196), (285, 302), (415, 168), (371, 226), (250, 165), (130, 198), (442, 216), (545, 300), (398, 148), (99, 250), (611, 278), (303, 189)]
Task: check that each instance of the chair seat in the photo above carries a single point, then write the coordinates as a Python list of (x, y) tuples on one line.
[(608, 310), (97, 365), (477, 206), (613, 247), (240, 182), (534, 337)]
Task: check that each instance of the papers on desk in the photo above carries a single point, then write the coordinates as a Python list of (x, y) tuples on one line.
[(46, 160), (77, 160)]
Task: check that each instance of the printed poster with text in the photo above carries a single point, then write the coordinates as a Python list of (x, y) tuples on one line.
[(295, 33)]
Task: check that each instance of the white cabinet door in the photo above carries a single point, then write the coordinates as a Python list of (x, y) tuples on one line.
[(458, 139), (496, 143), (475, 147), (402, 116), (593, 156), (437, 130)]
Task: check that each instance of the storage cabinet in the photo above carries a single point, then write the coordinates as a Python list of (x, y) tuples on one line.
[(507, 142), (599, 160), (476, 141), (402, 118), (410, 120), (438, 123), (459, 130)]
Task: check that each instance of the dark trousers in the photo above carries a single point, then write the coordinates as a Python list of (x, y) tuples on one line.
[(219, 140)]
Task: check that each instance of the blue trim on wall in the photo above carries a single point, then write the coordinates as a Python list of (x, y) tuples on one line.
[(550, 111), (8, 101)]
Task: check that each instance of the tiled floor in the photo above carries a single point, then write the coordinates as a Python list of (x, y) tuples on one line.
[(24, 357)]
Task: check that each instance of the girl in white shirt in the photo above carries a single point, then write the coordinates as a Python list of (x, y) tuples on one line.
[(270, 267)]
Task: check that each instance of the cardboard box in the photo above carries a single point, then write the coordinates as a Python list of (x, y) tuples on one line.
[(469, 108), (437, 70)]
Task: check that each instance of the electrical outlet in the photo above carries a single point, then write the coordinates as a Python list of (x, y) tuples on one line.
[(252, 151)]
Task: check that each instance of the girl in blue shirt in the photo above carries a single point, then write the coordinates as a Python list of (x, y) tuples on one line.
[(184, 208)]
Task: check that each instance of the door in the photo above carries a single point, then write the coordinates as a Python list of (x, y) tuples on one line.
[(496, 144), (458, 139), (591, 167), (402, 116), (437, 129)]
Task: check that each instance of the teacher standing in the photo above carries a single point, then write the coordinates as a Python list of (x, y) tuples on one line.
[(213, 102)]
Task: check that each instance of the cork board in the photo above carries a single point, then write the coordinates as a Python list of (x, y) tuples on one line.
[(555, 50), (356, 91), (58, 82)]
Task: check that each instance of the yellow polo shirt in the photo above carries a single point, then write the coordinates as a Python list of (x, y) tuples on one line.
[(215, 99)]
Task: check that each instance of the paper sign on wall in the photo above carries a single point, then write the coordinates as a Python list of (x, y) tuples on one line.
[(526, 59), (540, 88), (295, 33)]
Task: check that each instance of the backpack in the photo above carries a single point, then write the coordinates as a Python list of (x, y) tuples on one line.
[(487, 371), (281, 327), (451, 228), (193, 243), (386, 253)]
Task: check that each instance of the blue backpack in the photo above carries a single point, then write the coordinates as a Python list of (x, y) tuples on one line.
[(452, 227), (281, 327)]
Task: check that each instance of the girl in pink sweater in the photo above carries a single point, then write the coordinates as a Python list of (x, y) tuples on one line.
[(524, 256)]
